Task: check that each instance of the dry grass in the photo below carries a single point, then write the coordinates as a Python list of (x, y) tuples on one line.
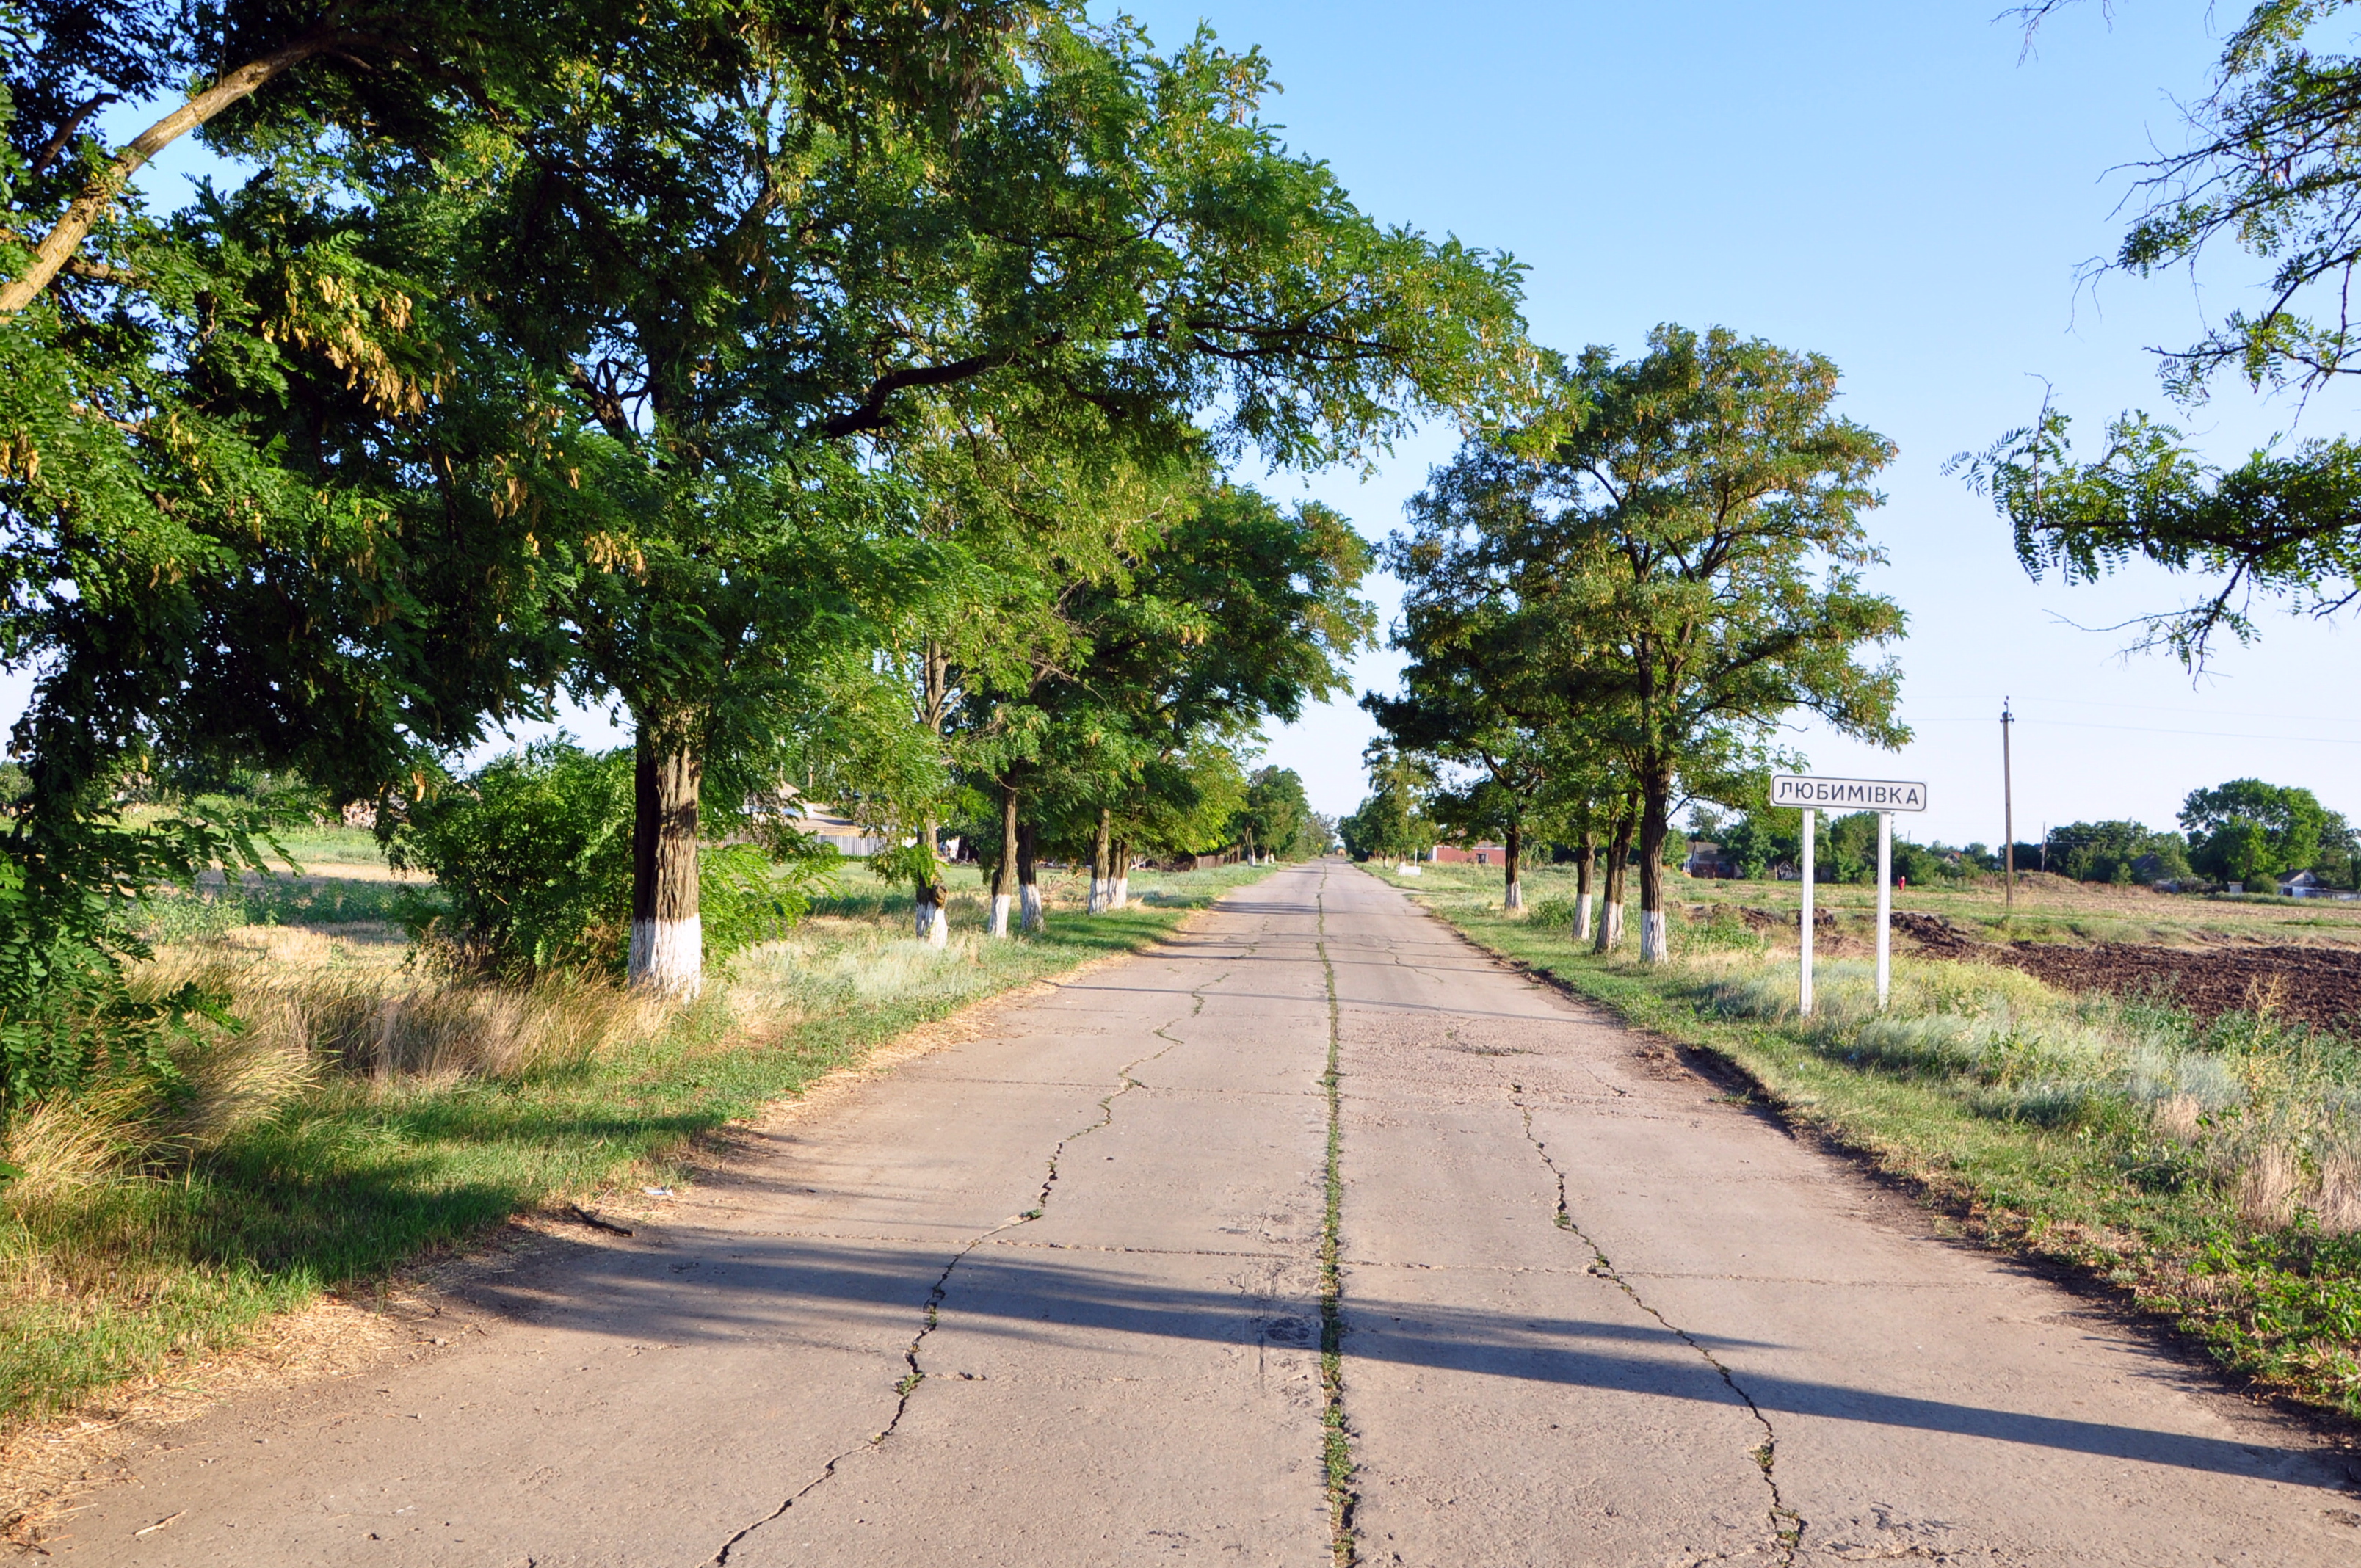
[(366, 1111)]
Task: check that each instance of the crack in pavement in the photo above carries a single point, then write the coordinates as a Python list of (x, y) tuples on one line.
[(1786, 1525), (931, 1315), (1336, 1432)]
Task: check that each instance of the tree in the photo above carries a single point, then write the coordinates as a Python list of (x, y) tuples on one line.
[(2272, 167), (1067, 235), (195, 567), (1392, 822), (2249, 831), (1278, 820), (1472, 700), (1692, 547)]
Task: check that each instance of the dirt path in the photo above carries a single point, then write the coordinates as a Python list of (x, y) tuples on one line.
[(1054, 1296)]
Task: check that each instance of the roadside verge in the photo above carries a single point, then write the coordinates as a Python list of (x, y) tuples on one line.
[(2059, 1129), (310, 1238)]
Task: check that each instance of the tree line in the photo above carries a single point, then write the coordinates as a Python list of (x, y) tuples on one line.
[(842, 394)]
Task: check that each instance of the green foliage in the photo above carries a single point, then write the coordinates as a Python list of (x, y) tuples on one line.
[(2250, 831), (2118, 851), (533, 853), (2271, 167), (1675, 563), (1391, 823), (1278, 819)]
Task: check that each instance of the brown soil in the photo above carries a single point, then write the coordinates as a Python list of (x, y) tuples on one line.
[(2321, 986)]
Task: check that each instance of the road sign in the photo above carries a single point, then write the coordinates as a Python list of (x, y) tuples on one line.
[(1846, 795), (1885, 796)]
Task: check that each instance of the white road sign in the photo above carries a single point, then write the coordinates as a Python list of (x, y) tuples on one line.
[(1848, 795)]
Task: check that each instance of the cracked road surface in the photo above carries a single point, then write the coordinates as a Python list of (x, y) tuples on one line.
[(1052, 1297)]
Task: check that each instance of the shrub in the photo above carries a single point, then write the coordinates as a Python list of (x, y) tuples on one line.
[(533, 853)]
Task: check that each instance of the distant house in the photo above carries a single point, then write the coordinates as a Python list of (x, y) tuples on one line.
[(2304, 884), (832, 828), (1470, 854), (1706, 859)]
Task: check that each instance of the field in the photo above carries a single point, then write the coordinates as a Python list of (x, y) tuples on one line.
[(2155, 1093), (363, 1112), (2297, 957)]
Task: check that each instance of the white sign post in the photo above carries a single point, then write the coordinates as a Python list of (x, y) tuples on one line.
[(1885, 796)]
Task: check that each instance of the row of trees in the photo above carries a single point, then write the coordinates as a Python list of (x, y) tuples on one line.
[(839, 388), (2245, 831), (1610, 609)]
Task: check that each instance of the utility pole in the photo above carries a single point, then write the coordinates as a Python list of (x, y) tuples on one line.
[(2007, 806)]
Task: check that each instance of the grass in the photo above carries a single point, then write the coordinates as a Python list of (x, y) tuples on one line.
[(2210, 1172), (366, 1111)]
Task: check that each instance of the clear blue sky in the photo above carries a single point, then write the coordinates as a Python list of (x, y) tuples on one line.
[(1889, 184)]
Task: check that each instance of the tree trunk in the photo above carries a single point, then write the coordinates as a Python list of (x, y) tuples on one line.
[(1585, 859), (667, 953), (1655, 826), (1512, 898), (1101, 868), (932, 919), (1028, 884), (1619, 860), (1119, 895), (1004, 881)]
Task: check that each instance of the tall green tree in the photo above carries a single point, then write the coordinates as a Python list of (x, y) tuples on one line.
[(1693, 546), (1469, 700), (1276, 821), (1086, 241), (2249, 831), (1391, 823)]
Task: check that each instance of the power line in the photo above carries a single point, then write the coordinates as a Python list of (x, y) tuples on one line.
[(2129, 708), (2143, 730)]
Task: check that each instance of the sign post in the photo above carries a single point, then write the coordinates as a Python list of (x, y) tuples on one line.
[(1885, 796), (1803, 986)]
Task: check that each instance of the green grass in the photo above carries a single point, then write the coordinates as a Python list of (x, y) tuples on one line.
[(2206, 1171), (149, 1231)]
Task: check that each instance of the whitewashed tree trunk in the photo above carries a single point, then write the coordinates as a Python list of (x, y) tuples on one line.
[(667, 950), (933, 924), (1029, 883), (1101, 858), (1654, 949), (1610, 928), (1582, 918), (1003, 883)]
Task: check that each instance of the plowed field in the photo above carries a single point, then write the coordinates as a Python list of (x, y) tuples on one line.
[(2319, 985)]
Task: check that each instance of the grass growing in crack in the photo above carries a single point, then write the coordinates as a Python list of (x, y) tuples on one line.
[(1336, 1437), (367, 1112), (2212, 1172)]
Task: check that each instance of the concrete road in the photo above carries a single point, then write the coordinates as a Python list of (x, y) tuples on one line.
[(1054, 1296)]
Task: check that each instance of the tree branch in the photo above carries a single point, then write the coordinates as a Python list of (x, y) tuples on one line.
[(102, 189)]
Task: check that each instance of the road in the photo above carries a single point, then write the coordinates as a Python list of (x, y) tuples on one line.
[(1055, 1296)]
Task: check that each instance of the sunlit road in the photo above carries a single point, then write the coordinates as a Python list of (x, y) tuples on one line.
[(1054, 1296)]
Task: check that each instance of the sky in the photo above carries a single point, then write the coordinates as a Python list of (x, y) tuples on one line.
[(1903, 187)]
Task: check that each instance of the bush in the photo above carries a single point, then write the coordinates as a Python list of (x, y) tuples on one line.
[(533, 853)]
